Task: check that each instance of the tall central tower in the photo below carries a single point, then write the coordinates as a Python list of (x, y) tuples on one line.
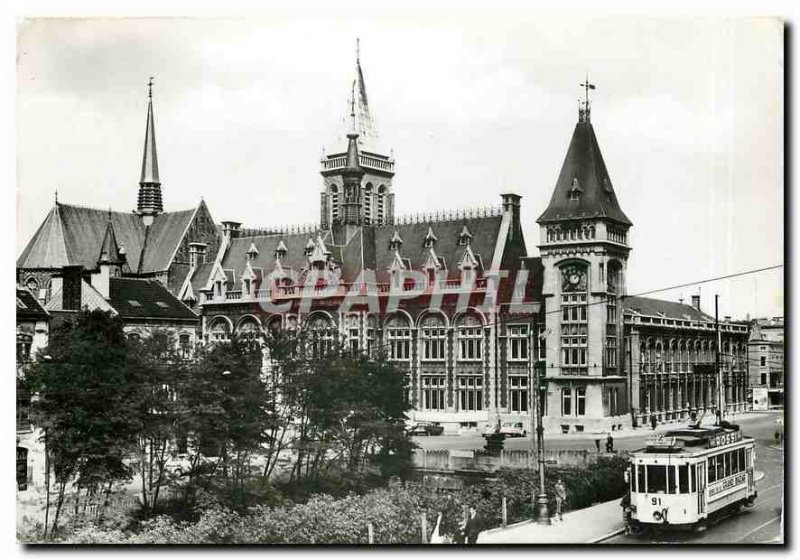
[(376, 200), (584, 249)]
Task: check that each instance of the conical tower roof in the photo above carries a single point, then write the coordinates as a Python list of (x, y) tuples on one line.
[(109, 251), (584, 188)]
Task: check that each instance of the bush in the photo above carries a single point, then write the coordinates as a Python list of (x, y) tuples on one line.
[(395, 511)]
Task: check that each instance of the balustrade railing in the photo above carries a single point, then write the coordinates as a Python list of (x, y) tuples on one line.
[(324, 290)]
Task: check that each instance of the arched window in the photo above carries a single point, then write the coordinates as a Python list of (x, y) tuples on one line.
[(574, 319), (220, 330), (398, 336), (249, 329), (322, 334), (434, 335), (614, 277), (380, 212), (334, 202), (470, 339), (368, 202)]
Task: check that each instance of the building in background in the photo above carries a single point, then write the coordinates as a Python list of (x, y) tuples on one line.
[(765, 357)]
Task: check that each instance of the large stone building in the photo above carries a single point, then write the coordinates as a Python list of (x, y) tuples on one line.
[(452, 297), (765, 356)]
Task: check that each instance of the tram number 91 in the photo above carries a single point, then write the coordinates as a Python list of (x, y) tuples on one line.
[(656, 501)]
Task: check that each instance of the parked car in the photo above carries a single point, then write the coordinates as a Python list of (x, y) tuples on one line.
[(425, 429), (513, 429), (490, 428)]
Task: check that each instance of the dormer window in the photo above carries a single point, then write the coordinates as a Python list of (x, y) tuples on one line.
[(575, 191), (396, 242), (465, 237), (309, 247), (252, 252), (430, 239), (280, 250)]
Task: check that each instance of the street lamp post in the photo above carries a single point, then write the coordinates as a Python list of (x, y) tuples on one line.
[(541, 508)]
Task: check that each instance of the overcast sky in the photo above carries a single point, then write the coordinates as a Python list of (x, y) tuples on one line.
[(688, 114)]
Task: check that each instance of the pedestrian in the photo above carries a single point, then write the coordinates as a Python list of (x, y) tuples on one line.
[(597, 444), (473, 526), (609, 443), (561, 496), (653, 421), (626, 512)]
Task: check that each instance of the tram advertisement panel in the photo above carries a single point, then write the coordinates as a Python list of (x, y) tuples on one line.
[(718, 489)]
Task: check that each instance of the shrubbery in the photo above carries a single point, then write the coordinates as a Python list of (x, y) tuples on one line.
[(395, 512)]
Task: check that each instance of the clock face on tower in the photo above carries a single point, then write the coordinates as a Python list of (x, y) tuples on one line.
[(573, 279)]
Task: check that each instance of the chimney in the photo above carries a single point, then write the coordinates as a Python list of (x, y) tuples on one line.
[(696, 301), (511, 205), (71, 295), (230, 229), (197, 253)]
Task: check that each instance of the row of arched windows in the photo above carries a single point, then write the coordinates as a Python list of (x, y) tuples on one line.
[(657, 356), (432, 329)]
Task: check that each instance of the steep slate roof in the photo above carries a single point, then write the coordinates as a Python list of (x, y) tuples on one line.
[(660, 307), (369, 247), (163, 238), (74, 235), (28, 307), (584, 162), (153, 298)]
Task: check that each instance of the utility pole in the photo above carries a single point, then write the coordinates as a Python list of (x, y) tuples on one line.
[(716, 359)]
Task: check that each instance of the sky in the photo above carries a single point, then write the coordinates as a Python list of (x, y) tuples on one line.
[(474, 103)]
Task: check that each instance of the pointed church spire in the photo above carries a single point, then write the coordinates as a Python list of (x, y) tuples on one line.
[(149, 203)]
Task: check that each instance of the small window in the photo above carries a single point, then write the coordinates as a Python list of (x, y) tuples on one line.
[(162, 305), (656, 479), (134, 303), (683, 479), (671, 482)]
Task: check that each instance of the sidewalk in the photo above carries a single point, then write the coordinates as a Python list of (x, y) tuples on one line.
[(582, 526)]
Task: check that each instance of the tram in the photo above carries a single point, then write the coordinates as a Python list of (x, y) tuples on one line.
[(688, 476)]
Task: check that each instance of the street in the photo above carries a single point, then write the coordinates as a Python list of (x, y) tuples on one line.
[(760, 524)]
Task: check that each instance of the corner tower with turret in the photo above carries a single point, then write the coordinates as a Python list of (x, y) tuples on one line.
[(375, 197), (584, 249)]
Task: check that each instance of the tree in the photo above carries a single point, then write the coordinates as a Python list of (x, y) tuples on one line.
[(86, 405), (348, 410), (161, 375), (225, 414)]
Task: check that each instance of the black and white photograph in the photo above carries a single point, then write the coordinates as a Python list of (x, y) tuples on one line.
[(425, 276)]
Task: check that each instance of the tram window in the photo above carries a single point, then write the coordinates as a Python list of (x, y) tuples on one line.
[(693, 478), (656, 479), (729, 464), (735, 460), (683, 479), (741, 459), (712, 469), (671, 482), (641, 482), (721, 467)]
